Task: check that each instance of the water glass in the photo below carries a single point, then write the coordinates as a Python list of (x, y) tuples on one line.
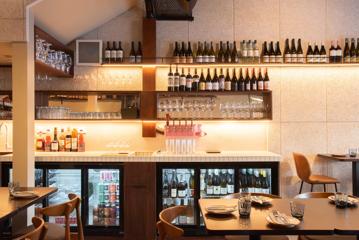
[(297, 209), (341, 200), (244, 205), (352, 152), (13, 186)]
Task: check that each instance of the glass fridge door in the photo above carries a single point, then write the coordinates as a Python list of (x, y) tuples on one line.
[(67, 181), (104, 197), (178, 188), (255, 180)]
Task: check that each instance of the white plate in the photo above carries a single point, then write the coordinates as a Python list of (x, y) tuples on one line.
[(351, 200), (221, 209), (24, 194), (292, 222), (261, 200)]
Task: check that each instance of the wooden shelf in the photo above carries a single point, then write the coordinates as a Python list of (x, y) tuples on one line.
[(205, 93), (42, 68)]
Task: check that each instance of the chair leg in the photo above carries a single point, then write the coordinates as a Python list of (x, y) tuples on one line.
[(301, 187), (336, 187), (325, 189), (311, 187)]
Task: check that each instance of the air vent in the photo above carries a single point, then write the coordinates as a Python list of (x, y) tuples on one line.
[(175, 10)]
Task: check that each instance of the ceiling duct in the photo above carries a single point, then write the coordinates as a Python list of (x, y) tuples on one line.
[(175, 10)]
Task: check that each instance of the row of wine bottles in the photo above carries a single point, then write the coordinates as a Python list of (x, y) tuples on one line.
[(177, 186), (115, 53), (248, 80)]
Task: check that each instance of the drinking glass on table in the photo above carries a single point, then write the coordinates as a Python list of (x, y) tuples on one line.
[(13, 186), (352, 152), (341, 200), (297, 209), (244, 204)]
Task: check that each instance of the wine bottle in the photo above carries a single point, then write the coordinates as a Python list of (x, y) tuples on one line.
[(278, 53), (191, 185), (272, 57), (323, 53), (265, 53), (174, 184), (247, 81), (199, 54), (211, 55), (293, 52), (310, 54), (189, 80), (241, 81), (300, 56), (176, 80), (223, 182), (74, 140), (170, 81), (253, 80), (287, 52), (68, 140), (139, 53), (227, 81), (55, 142), (182, 82), (182, 54), (113, 52), (346, 51), (230, 181), (176, 53), (244, 51), (221, 80), (234, 81), (332, 53), (316, 53), (256, 55), (119, 53), (250, 51), (62, 141), (205, 56), (189, 55), (209, 188), (182, 187), (165, 186), (234, 56), (202, 82), (208, 81), (266, 80), (107, 58), (352, 51), (195, 81), (220, 57), (357, 51), (227, 54), (215, 81), (132, 53), (216, 183), (339, 55), (260, 81)]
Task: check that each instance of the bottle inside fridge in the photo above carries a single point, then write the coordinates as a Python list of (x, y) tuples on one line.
[(178, 188), (255, 180), (104, 197)]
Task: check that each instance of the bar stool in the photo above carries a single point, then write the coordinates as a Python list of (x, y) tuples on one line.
[(38, 233), (305, 174), (58, 232), (274, 237), (166, 230)]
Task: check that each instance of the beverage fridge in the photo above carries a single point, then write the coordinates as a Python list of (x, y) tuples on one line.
[(98, 184), (184, 184)]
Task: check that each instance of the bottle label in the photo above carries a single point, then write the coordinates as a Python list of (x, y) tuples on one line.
[(216, 190), (119, 54), (176, 59), (173, 192), (250, 53), (199, 59), (310, 58), (202, 86), (324, 58), (209, 190), (74, 143), (300, 58), (266, 59), (347, 59), (256, 53), (39, 144), (208, 86), (205, 58), (248, 86), (196, 79), (227, 86), (294, 57), (132, 59), (176, 81), (113, 54), (260, 85), (182, 81), (62, 143), (189, 82), (54, 146), (182, 59), (212, 58), (254, 86), (221, 84), (278, 59), (107, 54), (215, 86), (339, 53), (189, 59), (138, 59), (223, 190), (171, 82), (230, 188), (266, 85), (244, 53), (287, 58), (181, 193), (272, 59)]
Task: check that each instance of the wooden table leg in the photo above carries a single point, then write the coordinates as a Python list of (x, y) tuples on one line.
[(254, 237), (355, 179)]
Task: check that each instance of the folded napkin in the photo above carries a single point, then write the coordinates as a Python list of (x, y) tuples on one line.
[(220, 207), (280, 218)]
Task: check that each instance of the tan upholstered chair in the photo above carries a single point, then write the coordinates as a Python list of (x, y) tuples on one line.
[(58, 232), (38, 233), (305, 174), (166, 230)]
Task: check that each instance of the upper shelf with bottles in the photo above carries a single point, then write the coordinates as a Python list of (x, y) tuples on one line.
[(247, 53)]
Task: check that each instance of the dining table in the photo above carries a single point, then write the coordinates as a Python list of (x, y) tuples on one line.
[(355, 167), (321, 217)]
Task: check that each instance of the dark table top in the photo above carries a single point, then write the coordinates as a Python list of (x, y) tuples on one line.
[(320, 218), (345, 158), (10, 206)]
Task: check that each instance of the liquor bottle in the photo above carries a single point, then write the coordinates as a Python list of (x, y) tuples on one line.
[(132, 53), (171, 83), (223, 182), (182, 187), (265, 53), (205, 56), (165, 185), (82, 143), (119, 53), (113, 52), (234, 81), (278, 53), (208, 81), (352, 51), (300, 56), (221, 80), (220, 57), (176, 80), (260, 81), (227, 54), (234, 55), (216, 183), (40, 142), (316, 53), (266, 80), (182, 81), (191, 185), (211, 54), (323, 53), (202, 82), (74, 140), (199, 54), (332, 53), (287, 52), (176, 53), (256, 56), (62, 140), (203, 179), (182, 54), (339, 55), (241, 81), (195, 81), (293, 52), (108, 53), (189, 81), (139, 54), (253, 80), (257, 182), (189, 55), (247, 81), (357, 51), (250, 180), (272, 55), (310, 54), (227, 81), (249, 52), (244, 51), (174, 184), (230, 181), (55, 142), (346, 51), (209, 188), (68, 140), (215, 81)]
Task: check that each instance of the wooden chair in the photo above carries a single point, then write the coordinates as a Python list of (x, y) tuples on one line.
[(274, 237), (305, 174), (38, 233), (166, 230), (57, 232), (321, 237)]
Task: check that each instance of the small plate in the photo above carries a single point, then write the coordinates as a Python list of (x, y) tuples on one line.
[(24, 194), (292, 222), (261, 200), (221, 209), (351, 200)]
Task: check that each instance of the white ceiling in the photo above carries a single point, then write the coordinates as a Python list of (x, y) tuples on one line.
[(66, 20)]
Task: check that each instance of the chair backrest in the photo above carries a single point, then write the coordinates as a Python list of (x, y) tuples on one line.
[(302, 166), (165, 229), (38, 233), (65, 209), (237, 195)]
